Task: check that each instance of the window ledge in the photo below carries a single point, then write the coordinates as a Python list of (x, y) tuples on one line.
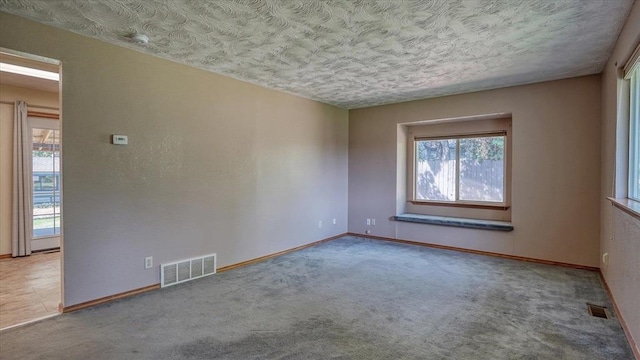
[(455, 221), (627, 205), (461, 204)]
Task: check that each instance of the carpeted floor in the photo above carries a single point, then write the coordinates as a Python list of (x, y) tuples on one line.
[(349, 298)]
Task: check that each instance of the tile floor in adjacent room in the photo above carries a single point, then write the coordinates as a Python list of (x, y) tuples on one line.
[(29, 288)]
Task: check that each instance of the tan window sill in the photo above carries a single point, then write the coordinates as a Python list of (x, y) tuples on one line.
[(629, 206)]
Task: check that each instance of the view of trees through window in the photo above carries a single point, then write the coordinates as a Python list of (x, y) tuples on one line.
[(460, 169)]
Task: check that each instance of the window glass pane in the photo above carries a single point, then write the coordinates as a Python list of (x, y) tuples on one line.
[(44, 182), (46, 188), (482, 169), (436, 170), (634, 137)]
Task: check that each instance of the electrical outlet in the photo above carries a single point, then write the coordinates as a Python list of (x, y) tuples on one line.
[(368, 222), (148, 262), (334, 221), (368, 232), (605, 258), (320, 224)]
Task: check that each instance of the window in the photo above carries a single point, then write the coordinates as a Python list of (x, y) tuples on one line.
[(45, 172), (634, 134), (626, 189), (453, 164), (462, 169)]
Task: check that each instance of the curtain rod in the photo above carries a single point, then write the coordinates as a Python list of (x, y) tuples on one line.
[(35, 106)]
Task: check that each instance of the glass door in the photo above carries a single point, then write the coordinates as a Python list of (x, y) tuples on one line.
[(45, 171)]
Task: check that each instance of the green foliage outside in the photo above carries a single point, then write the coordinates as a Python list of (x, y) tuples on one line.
[(436, 150), (484, 148), (43, 154), (478, 149)]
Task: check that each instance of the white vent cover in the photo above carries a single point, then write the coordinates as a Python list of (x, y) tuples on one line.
[(185, 270)]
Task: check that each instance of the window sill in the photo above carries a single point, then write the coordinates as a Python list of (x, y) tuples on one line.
[(455, 221), (627, 205), (461, 204)]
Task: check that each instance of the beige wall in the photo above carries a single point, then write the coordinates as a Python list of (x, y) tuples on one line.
[(620, 232), (555, 176), (13, 93), (213, 164)]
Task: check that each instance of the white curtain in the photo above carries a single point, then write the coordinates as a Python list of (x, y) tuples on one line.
[(21, 224)]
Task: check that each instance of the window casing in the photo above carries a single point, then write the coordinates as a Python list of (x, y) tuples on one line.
[(477, 183), (634, 134)]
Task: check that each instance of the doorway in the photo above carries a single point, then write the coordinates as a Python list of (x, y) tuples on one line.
[(30, 281)]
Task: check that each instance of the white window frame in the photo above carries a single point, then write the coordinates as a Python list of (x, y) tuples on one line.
[(42, 242), (632, 74)]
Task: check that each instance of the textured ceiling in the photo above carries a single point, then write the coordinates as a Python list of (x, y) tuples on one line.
[(357, 53)]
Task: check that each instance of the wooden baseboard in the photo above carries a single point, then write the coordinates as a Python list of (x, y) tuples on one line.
[(627, 333), (9, 256), (266, 257), (106, 299), (478, 252)]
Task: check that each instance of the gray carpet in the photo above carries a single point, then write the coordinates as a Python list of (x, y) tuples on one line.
[(349, 298)]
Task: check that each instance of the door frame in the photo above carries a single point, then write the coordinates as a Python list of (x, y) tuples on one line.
[(58, 63)]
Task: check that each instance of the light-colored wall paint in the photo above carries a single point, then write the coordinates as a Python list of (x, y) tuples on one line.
[(13, 93), (213, 164), (31, 96), (620, 232), (555, 177)]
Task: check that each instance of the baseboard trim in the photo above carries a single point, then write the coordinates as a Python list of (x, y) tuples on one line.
[(478, 252), (125, 294), (46, 251), (106, 299), (270, 256), (625, 328)]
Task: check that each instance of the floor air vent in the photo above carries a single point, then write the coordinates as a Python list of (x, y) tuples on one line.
[(189, 269), (598, 311)]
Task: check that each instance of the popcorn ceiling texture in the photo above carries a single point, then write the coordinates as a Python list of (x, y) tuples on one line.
[(355, 54)]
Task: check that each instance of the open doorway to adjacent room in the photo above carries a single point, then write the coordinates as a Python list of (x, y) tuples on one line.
[(30, 188)]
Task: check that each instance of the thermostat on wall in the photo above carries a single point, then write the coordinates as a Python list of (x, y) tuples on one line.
[(119, 139)]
